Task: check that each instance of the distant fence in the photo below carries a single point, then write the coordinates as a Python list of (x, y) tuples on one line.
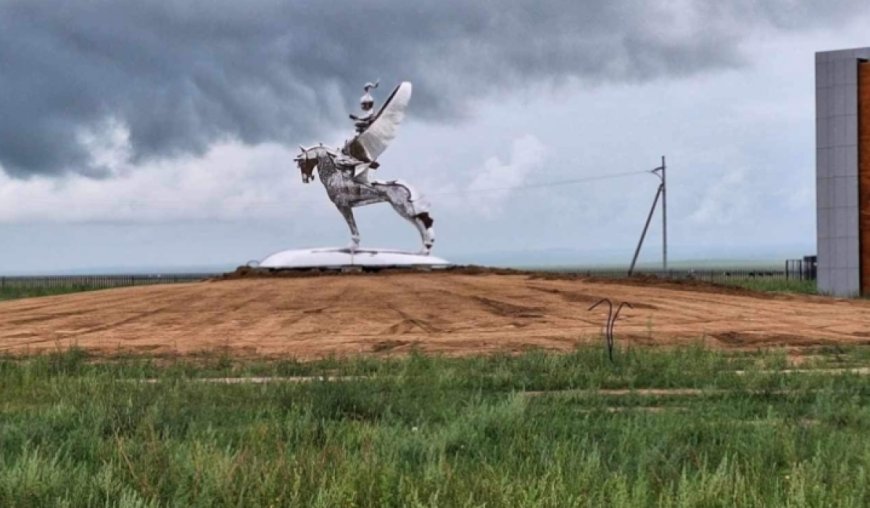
[(96, 281), (706, 274), (801, 269)]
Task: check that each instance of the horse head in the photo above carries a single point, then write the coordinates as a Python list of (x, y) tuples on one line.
[(306, 161)]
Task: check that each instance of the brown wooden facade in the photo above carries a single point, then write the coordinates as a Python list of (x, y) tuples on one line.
[(864, 172)]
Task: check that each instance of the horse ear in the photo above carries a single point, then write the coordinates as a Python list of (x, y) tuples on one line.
[(302, 148)]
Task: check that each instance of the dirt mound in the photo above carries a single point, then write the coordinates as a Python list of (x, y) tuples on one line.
[(455, 311)]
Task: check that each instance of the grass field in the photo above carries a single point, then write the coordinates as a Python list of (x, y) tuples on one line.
[(12, 293), (807, 287), (678, 427)]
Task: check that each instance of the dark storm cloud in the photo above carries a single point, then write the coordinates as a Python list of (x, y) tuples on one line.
[(182, 74)]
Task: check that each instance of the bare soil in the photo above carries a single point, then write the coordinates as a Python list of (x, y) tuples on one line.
[(457, 312)]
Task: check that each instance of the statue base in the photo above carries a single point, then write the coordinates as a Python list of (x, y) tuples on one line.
[(338, 258)]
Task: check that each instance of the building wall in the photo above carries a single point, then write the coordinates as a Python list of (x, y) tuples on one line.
[(837, 189)]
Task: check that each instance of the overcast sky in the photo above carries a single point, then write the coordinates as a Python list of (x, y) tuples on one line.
[(162, 133)]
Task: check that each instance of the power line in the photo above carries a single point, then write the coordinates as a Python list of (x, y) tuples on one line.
[(555, 183), (543, 184)]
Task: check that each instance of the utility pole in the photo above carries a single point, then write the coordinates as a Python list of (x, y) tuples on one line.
[(663, 167), (662, 191)]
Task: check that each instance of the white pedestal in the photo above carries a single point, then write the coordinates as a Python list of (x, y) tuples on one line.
[(342, 257)]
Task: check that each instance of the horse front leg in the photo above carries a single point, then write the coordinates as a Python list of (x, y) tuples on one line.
[(347, 213)]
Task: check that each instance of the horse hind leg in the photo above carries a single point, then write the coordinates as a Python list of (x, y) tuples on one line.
[(427, 232), (425, 237), (399, 198), (423, 222)]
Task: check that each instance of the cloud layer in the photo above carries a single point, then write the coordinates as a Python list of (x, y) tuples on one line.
[(181, 75), (230, 181), (489, 191)]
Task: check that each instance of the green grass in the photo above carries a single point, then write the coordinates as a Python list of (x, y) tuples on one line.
[(807, 287), (15, 292), (537, 429)]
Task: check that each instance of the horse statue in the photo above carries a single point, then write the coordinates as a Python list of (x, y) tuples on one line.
[(344, 174), (346, 193)]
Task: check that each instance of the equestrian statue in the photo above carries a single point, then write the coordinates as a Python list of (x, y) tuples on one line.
[(345, 173)]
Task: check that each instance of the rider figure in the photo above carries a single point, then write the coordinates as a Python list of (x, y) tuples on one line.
[(353, 151), (367, 104)]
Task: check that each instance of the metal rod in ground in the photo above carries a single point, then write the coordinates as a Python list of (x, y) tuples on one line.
[(608, 326), (645, 227), (612, 324)]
